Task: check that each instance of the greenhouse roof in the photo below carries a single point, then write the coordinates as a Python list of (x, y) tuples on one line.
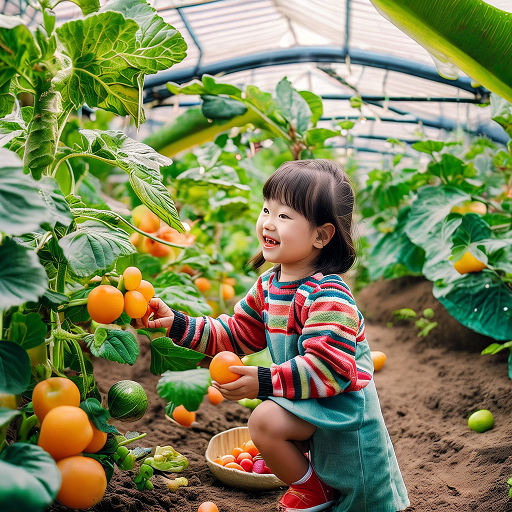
[(330, 47)]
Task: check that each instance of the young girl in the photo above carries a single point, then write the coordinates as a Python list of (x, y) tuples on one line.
[(320, 428)]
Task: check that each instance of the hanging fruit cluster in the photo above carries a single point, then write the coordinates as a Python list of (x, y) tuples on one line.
[(106, 302)]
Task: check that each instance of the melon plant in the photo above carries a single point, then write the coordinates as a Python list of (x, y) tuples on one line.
[(127, 401)]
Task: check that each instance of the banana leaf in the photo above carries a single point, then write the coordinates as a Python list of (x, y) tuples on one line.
[(470, 35)]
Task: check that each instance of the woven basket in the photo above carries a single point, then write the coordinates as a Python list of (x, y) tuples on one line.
[(223, 444)]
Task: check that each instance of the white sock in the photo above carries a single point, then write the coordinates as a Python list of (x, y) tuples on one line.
[(305, 478)]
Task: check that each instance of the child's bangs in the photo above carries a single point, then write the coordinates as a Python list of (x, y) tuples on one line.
[(294, 187)]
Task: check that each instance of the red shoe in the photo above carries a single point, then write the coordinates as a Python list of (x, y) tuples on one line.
[(311, 496)]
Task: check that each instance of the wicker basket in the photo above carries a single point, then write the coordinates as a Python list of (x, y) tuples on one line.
[(223, 444)]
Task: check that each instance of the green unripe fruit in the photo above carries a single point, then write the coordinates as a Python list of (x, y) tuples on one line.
[(127, 401), (481, 421)]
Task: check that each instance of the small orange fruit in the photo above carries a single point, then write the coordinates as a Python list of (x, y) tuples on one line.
[(228, 292), (468, 263), (147, 290), (203, 285), (208, 506), (105, 303), (214, 396), (219, 367), (132, 278), (378, 358), (250, 447), (183, 417), (99, 439), (135, 305)]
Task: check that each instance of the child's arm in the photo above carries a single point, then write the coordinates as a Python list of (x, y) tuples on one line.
[(327, 364)]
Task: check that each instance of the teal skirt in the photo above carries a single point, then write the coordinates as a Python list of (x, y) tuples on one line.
[(351, 450)]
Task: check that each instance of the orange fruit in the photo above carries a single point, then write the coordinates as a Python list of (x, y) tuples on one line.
[(228, 292), (147, 290), (378, 358), (468, 263), (149, 222), (214, 396), (236, 451), (219, 367), (105, 303), (132, 278), (249, 447), (203, 285), (183, 417), (135, 305), (234, 465), (98, 441), (208, 506), (53, 392), (229, 280), (226, 459)]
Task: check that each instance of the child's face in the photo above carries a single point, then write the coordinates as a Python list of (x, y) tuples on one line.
[(285, 235)]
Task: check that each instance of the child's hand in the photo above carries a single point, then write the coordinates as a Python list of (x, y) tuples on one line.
[(163, 316), (247, 386)]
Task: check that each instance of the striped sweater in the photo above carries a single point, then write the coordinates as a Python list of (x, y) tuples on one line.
[(315, 317)]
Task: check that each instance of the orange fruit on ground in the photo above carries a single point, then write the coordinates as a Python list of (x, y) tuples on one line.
[(53, 392), (228, 292), (378, 358), (183, 417), (83, 482), (135, 305), (203, 284), (65, 431), (208, 506), (147, 290), (468, 263), (149, 222), (219, 367), (214, 395), (132, 277), (105, 304), (98, 441)]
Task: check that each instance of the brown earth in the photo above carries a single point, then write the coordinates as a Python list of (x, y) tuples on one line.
[(427, 388)]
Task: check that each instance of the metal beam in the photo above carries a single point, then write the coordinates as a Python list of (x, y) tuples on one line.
[(297, 54)]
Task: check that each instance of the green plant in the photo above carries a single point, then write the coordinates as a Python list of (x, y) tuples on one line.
[(424, 323)]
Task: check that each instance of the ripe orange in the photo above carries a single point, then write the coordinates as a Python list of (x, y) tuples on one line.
[(203, 285), (147, 290), (214, 396), (98, 441), (208, 506), (378, 358), (105, 303), (149, 222), (135, 305), (228, 292), (468, 263), (183, 417), (132, 278), (250, 447), (219, 367)]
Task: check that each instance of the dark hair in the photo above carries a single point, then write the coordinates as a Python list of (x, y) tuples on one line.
[(321, 191)]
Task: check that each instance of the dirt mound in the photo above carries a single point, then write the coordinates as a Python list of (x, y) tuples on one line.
[(427, 388)]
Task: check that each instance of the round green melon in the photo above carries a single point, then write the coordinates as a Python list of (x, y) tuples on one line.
[(127, 401)]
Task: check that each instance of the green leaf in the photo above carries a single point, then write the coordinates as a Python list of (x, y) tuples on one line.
[(158, 45), (481, 302), (317, 136), (472, 229), (222, 175), (87, 6), (143, 165), (450, 168), (346, 125), (119, 346), (293, 106), (453, 33), (494, 348), (30, 478), (178, 291), (208, 85), (7, 415), (55, 201), (428, 146), (217, 107), (501, 112), (15, 369), (98, 415), (22, 277), (185, 388), (431, 207), (13, 126), (94, 246), (165, 355), (208, 154), (28, 330), (315, 105), (22, 207)]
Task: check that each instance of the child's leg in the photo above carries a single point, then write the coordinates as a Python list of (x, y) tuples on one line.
[(273, 430)]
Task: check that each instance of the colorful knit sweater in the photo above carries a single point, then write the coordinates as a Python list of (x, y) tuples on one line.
[(319, 311)]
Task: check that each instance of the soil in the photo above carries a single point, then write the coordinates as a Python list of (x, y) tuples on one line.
[(427, 388)]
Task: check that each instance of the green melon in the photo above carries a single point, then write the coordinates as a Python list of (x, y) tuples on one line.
[(127, 401)]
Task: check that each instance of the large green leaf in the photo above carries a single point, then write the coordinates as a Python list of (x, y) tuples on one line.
[(143, 165), (56, 203), (221, 175), (22, 277), (22, 207), (29, 479), (94, 246), (87, 6), (217, 107), (114, 345), (158, 45), (480, 301), (28, 330), (184, 388), (207, 85), (15, 369), (293, 106), (165, 355), (469, 34)]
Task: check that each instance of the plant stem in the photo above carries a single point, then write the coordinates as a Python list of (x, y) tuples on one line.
[(128, 441), (26, 426)]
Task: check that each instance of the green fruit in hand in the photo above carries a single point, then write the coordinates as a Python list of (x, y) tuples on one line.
[(481, 421), (261, 358), (127, 401), (250, 403)]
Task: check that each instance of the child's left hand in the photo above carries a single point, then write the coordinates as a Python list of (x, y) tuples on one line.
[(247, 386)]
